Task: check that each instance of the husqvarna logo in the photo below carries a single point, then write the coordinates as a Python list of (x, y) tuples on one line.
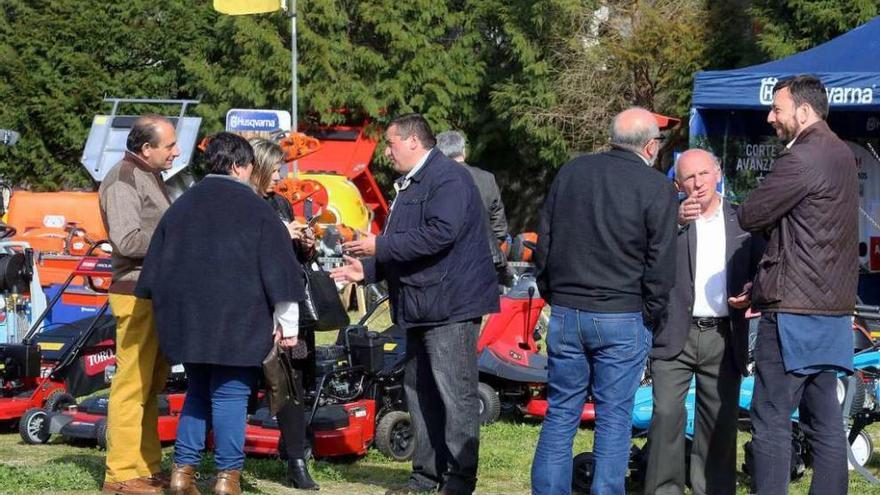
[(765, 94), (837, 95)]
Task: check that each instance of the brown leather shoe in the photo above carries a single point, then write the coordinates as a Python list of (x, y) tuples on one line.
[(183, 480), (137, 486), (228, 483)]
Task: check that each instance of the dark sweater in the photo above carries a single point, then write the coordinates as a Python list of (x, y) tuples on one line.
[(219, 262), (606, 240)]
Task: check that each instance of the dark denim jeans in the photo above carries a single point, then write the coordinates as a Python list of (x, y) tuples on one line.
[(216, 398), (604, 353), (441, 391), (777, 394)]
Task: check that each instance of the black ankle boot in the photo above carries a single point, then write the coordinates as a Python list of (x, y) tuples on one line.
[(298, 475)]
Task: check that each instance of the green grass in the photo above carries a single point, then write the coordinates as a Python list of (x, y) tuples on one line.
[(506, 451)]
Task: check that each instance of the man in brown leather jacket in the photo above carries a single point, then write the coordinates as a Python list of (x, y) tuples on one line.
[(805, 289)]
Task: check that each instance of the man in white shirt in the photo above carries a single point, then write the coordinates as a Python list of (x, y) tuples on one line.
[(704, 336)]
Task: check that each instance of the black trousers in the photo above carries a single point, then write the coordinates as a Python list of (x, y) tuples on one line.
[(776, 396), (708, 357), (441, 391), (292, 417)]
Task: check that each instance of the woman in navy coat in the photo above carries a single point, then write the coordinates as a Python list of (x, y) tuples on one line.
[(225, 285)]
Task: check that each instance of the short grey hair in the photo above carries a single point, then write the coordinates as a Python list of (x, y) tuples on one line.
[(451, 144), (635, 134)]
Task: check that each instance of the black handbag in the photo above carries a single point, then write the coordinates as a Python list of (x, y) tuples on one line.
[(322, 309)]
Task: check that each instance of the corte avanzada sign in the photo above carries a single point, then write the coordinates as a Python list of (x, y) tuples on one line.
[(836, 95)]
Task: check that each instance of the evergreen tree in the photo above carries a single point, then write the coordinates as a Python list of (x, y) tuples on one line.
[(785, 27)]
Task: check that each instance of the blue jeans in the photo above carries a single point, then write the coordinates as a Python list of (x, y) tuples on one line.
[(217, 397), (605, 353)]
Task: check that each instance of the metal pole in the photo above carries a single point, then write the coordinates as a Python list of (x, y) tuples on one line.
[(293, 62)]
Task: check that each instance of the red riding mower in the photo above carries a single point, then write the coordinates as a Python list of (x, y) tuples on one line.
[(513, 371), (358, 400)]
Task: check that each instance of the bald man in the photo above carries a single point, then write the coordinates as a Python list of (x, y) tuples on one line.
[(606, 262), (704, 336)]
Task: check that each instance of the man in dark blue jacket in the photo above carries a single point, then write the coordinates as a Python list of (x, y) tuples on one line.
[(434, 253)]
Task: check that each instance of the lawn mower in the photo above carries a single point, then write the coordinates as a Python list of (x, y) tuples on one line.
[(513, 371), (358, 400), (87, 420), (50, 364)]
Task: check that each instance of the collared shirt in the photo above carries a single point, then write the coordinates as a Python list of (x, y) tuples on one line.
[(403, 182), (419, 164), (815, 343), (710, 277)]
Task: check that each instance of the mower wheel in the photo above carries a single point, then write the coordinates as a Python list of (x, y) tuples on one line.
[(490, 404), (394, 436), (101, 433), (582, 472), (863, 449), (33, 426), (58, 401)]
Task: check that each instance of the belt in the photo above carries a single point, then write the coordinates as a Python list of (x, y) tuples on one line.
[(704, 322)]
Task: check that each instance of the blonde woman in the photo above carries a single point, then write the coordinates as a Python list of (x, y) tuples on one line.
[(268, 158)]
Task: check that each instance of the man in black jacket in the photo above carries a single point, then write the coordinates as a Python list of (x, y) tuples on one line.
[(434, 254), (605, 261), (805, 289), (453, 145), (703, 336)]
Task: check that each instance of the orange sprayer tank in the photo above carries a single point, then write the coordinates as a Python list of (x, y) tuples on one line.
[(43, 220), (55, 210)]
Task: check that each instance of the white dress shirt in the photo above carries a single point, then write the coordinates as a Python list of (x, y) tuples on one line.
[(710, 277), (287, 315)]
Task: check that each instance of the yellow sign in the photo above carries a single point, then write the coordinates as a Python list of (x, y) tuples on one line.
[(242, 7), (51, 346), (389, 346)]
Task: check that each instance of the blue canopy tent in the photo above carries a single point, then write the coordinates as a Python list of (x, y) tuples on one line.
[(729, 117)]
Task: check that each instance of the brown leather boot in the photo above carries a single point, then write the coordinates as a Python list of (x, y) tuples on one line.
[(228, 483), (183, 480), (137, 486)]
